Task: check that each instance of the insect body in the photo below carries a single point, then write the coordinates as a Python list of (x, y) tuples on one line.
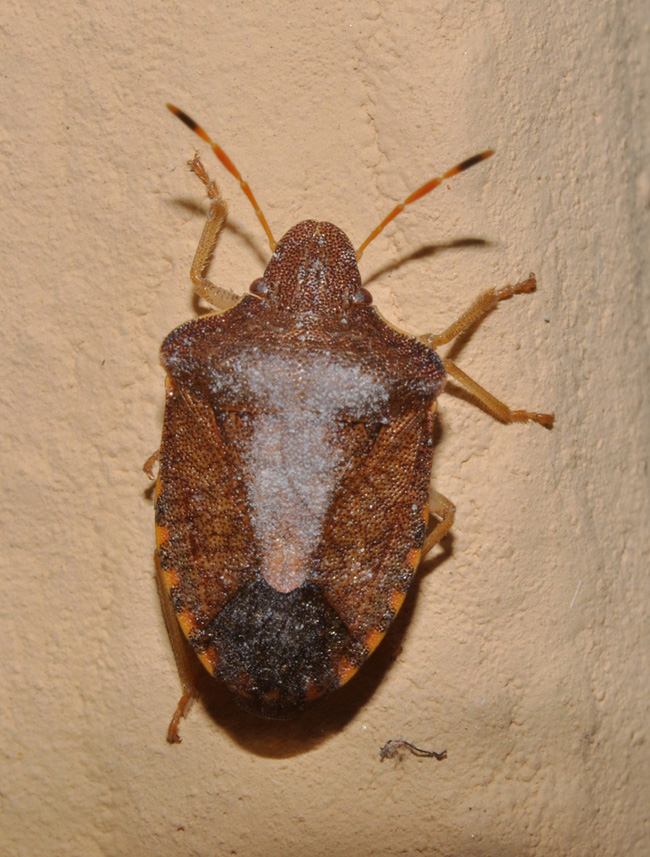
[(293, 498)]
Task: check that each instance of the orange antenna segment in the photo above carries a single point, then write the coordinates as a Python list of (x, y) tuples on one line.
[(423, 191), (228, 164)]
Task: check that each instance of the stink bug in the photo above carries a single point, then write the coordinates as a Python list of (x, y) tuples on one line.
[(293, 499)]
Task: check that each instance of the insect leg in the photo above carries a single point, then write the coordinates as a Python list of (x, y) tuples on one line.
[(150, 463), (492, 405), (184, 661), (442, 508), (219, 297), (484, 304)]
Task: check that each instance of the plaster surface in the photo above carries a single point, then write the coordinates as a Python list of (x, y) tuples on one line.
[(523, 649)]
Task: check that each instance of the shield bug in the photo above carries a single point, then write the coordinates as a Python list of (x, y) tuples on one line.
[(293, 499)]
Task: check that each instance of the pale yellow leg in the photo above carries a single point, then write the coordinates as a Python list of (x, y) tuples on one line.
[(493, 405), (185, 662), (484, 304), (220, 298), (150, 463), (442, 508)]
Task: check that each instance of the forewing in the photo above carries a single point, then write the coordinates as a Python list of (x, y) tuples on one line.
[(371, 543), (205, 539)]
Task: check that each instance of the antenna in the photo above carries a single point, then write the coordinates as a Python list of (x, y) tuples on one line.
[(423, 191), (228, 164)]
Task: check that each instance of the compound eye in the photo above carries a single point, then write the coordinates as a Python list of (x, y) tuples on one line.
[(362, 296), (259, 287)]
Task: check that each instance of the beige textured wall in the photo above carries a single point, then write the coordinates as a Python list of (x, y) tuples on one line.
[(524, 651)]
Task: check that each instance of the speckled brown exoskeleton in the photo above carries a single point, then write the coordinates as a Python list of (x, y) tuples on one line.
[(293, 500)]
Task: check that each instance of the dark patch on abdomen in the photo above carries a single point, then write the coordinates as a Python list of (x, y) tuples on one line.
[(274, 647)]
